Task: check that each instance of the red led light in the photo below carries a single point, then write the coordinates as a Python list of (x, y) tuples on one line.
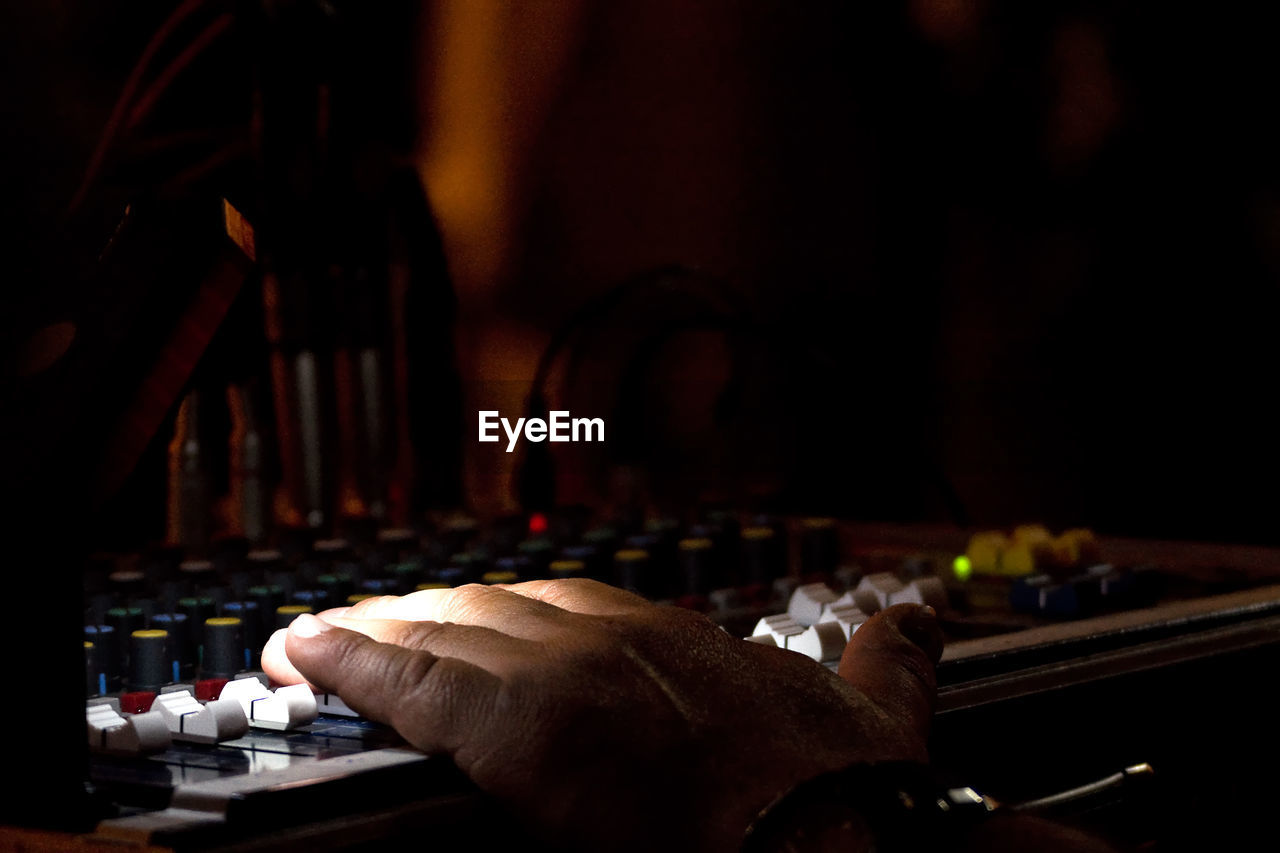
[(537, 524)]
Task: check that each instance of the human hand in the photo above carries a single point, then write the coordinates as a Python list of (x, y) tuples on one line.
[(605, 721)]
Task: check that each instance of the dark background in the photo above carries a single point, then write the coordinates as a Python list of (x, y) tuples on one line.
[(984, 261)]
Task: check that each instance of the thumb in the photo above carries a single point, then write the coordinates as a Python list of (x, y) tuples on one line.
[(891, 659)]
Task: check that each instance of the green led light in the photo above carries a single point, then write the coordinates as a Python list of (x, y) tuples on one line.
[(962, 567)]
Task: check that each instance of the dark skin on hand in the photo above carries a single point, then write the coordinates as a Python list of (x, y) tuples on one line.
[(607, 722)]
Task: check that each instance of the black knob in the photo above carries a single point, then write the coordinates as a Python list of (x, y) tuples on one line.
[(250, 617), (150, 664), (224, 649)]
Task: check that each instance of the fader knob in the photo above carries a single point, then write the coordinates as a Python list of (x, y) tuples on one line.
[(224, 649), (521, 566), (286, 614), (181, 648), (819, 546), (268, 598), (197, 609), (250, 618), (397, 544), (631, 566), (590, 556), (108, 656), (697, 562), (406, 576), (197, 575), (150, 665), (94, 678), (539, 552), (126, 584), (762, 557), (603, 539), (262, 562), (332, 550), (336, 586), (316, 599), (560, 569), (126, 620)]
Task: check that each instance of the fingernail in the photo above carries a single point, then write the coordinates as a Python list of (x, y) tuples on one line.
[(921, 627), (337, 611), (307, 625)]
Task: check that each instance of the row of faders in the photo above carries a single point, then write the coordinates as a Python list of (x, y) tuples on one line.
[(729, 567), (819, 621), (157, 705), (1004, 581), (131, 725), (171, 640), (1034, 572)]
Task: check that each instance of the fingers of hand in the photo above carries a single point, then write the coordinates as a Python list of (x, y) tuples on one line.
[(580, 595), (275, 662), (434, 702), (891, 659), (473, 604), (484, 647)]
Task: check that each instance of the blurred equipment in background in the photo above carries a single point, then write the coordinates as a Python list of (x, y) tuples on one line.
[(243, 302)]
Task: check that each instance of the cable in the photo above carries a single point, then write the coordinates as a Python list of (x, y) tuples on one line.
[(179, 15), (602, 305), (181, 62), (1078, 799), (534, 478)]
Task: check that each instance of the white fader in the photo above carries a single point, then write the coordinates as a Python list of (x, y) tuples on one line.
[(807, 602), (190, 720), (823, 642), (847, 615), (780, 628), (818, 622), (280, 709), (873, 592), (331, 703), (109, 731), (927, 590)]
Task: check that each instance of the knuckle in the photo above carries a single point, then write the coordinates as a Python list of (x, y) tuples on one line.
[(414, 670), (420, 635), (468, 599), (370, 605)]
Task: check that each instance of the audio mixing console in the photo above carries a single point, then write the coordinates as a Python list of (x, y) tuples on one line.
[(193, 748)]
